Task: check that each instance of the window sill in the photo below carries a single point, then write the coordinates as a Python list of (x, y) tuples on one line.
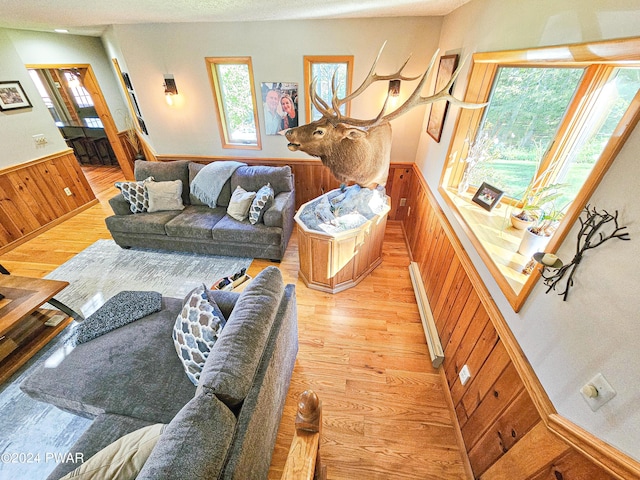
[(496, 241)]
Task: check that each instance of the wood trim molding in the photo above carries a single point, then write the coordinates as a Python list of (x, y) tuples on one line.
[(598, 451)]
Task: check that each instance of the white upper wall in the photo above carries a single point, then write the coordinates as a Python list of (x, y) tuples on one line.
[(597, 329), (277, 50), (17, 127)]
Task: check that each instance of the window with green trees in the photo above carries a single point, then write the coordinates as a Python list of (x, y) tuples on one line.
[(233, 90)]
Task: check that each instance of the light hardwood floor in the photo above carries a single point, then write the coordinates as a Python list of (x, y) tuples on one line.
[(362, 350)]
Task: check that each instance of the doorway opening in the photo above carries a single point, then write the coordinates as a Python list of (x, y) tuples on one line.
[(74, 113)]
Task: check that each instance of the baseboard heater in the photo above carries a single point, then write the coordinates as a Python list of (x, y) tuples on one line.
[(428, 323)]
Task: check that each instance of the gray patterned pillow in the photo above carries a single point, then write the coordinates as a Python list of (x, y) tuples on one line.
[(260, 203), (196, 330), (136, 194)]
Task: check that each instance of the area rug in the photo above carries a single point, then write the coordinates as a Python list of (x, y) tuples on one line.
[(34, 435)]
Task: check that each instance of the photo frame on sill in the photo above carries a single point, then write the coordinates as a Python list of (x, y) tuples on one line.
[(448, 65), (12, 96), (487, 196)]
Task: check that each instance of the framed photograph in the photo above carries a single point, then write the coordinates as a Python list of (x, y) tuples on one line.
[(448, 65), (12, 96), (487, 196), (280, 106)]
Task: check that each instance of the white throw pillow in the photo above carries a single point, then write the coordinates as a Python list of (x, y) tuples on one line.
[(122, 459), (240, 202), (164, 196)]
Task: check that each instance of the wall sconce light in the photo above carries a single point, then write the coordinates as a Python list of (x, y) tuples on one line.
[(394, 88), (597, 227), (170, 89)]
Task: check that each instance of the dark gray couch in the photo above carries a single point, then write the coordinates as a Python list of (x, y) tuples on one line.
[(131, 377), (201, 229)]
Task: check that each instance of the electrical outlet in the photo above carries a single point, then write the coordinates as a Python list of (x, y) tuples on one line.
[(67, 190), (40, 140), (403, 201), (464, 374)]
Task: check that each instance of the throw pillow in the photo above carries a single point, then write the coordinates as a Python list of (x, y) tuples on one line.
[(260, 203), (239, 204), (136, 194), (196, 330), (164, 196), (123, 459)]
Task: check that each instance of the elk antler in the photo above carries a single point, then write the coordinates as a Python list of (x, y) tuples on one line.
[(332, 113)]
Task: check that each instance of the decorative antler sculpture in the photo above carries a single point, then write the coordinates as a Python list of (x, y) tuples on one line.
[(357, 150), (589, 236)]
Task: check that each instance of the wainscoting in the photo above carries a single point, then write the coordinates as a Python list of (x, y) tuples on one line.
[(313, 179), (507, 423), (33, 198)]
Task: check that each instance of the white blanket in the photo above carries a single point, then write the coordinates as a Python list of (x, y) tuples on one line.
[(208, 182)]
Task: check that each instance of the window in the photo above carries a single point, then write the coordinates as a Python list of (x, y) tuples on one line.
[(322, 70), (234, 93), (556, 117)]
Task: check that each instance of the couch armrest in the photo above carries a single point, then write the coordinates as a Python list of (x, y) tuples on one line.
[(282, 207), (120, 206)]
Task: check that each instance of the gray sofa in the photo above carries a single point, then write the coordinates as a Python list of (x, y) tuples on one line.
[(201, 229), (131, 377)]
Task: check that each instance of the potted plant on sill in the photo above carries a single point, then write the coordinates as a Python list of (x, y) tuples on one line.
[(537, 236)]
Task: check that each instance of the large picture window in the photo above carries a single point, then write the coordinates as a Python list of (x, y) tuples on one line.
[(556, 117), (234, 93), (322, 69)]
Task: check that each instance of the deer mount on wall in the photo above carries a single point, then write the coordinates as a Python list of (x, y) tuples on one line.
[(357, 150)]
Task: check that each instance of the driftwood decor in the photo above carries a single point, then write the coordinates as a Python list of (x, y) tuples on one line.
[(590, 235)]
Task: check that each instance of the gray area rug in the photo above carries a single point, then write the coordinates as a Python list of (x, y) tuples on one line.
[(34, 435)]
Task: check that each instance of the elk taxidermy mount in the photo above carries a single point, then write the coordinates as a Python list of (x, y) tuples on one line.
[(356, 150)]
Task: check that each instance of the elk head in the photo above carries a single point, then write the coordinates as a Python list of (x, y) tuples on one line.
[(358, 150)]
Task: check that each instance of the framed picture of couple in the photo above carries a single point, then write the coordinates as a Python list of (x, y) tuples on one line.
[(280, 106)]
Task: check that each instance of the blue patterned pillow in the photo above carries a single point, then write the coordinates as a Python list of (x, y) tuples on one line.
[(196, 330), (136, 194), (260, 203)]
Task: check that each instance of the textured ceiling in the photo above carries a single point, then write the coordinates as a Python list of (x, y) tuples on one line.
[(90, 17)]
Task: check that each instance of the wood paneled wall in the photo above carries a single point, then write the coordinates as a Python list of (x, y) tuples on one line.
[(32, 197), (312, 178), (504, 434)]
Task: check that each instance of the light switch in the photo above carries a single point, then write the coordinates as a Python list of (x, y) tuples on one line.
[(597, 392)]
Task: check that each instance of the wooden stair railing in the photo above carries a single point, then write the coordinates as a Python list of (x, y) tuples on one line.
[(303, 461)]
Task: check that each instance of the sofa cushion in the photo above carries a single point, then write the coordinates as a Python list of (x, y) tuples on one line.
[(142, 223), (164, 195), (262, 200), (229, 230), (252, 177), (232, 364), (194, 444), (139, 358), (196, 330), (240, 203), (135, 193), (195, 221), (122, 459), (165, 171)]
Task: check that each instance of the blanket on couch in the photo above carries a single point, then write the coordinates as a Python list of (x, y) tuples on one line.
[(208, 182)]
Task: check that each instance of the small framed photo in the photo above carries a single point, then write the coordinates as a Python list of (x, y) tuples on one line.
[(12, 97), (487, 196)]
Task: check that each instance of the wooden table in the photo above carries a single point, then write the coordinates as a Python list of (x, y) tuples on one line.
[(22, 322)]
